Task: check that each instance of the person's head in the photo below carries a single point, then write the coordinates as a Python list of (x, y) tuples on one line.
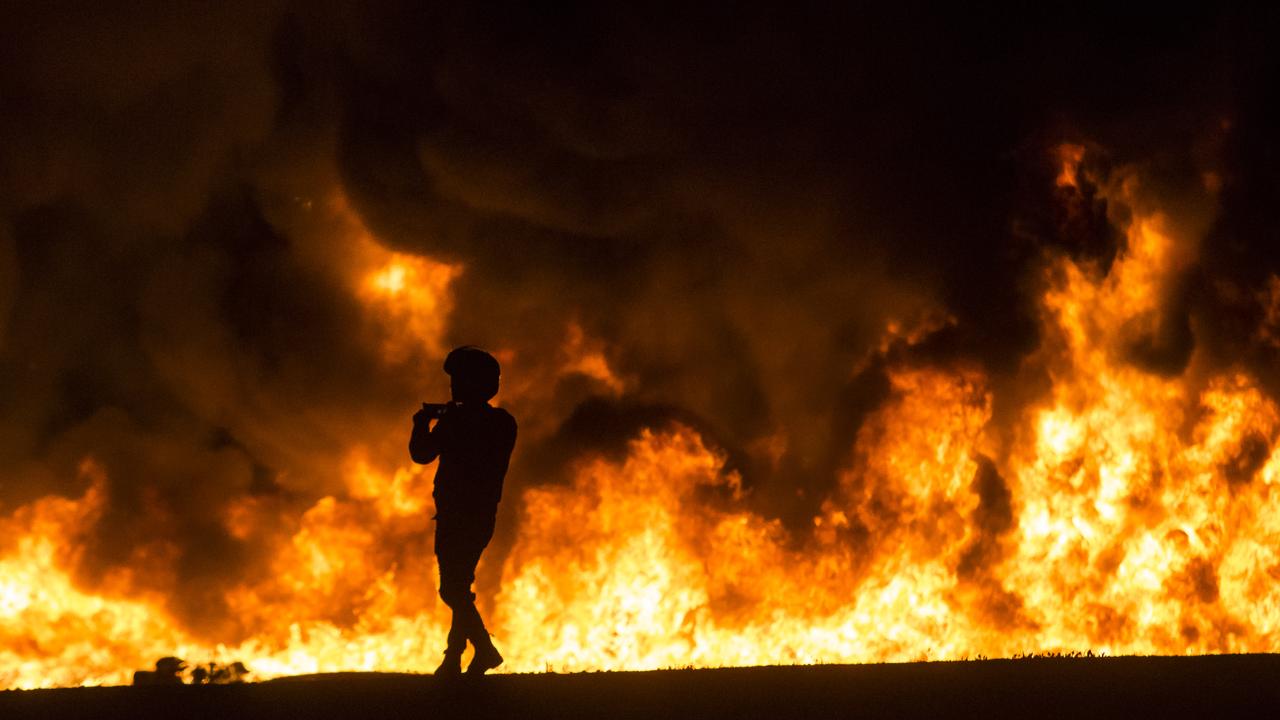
[(473, 374)]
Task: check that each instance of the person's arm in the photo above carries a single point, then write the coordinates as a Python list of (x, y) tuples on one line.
[(425, 444), (501, 458)]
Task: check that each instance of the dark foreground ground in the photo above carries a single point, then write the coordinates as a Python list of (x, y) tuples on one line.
[(1209, 687)]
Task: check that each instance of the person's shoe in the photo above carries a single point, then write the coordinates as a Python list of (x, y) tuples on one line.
[(486, 658), (451, 667)]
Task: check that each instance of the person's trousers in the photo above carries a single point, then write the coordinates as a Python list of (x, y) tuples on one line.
[(460, 539)]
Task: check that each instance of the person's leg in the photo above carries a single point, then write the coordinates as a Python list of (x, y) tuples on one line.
[(457, 574), (487, 656), (455, 581), (459, 544)]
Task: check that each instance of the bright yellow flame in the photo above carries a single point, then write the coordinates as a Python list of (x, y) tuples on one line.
[(409, 296), (406, 295)]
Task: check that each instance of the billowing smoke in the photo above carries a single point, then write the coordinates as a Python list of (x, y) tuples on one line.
[(734, 204)]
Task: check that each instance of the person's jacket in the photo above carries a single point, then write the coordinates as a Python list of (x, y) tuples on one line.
[(474, 443)]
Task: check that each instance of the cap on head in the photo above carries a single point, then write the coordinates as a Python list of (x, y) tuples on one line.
[(474, 372)]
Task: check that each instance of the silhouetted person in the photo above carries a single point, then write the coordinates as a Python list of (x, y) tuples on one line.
[(473, 440)]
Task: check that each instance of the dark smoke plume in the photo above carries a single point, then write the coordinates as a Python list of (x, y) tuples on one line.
[(734, 203)]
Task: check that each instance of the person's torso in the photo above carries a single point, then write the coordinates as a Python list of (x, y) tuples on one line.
[(474, 461)]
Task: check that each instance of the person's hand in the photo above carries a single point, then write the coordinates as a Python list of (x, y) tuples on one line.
[(423, 417)]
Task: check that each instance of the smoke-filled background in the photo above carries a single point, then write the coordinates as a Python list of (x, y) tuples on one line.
[(726, 218)]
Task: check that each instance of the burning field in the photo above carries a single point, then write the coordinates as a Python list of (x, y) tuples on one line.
[(825, 347)]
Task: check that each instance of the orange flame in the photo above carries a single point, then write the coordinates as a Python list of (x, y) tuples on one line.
[(410, 293), (1071, 156), (1128, 512)]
